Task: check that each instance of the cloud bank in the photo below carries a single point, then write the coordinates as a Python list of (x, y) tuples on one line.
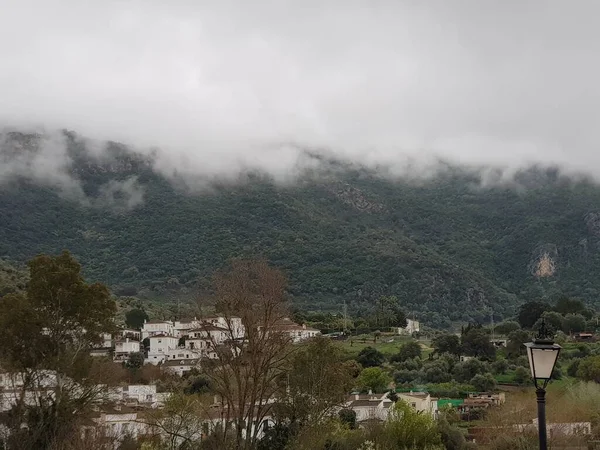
[(223, 85)]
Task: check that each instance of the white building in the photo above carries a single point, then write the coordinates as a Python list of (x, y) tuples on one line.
[(155, 327), (233, 325), (297, 333), (160, 345), (114, 422), (412, 326), (130, 333), (181, 366), (138, 394), (211, 333), (184, 326), (124, 349), (369, 406), (421, 402)]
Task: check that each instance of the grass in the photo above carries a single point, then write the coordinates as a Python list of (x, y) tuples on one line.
[(355, 344)]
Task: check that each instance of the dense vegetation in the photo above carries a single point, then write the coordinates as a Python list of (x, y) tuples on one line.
[(447, 248)]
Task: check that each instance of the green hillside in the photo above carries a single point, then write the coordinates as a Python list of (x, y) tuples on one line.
[(448, 248)]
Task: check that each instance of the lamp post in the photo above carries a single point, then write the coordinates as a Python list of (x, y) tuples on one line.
[(542, 354)]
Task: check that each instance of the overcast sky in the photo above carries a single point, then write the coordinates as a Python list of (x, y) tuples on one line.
[(479, 81)]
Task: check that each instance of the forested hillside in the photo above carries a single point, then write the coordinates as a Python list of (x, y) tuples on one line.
[(447, 247)]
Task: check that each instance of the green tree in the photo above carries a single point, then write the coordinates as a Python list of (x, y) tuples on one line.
[(408, 429), (437, 371), (589, 369), (370, 357), (552, 319), (530, 312), (521, 376), (565, 305), (573, 323), (506, 327), (573, 367), (409, 350), (135, 318), (465, 371), (373, 378), (51, 327), (476, 342), (446, 343), (500, 366), (348, 417), (452, 437), (484, 382), (135, 361), (516, 339)]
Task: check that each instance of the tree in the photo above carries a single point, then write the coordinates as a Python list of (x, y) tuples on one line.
[(476, 342), (484, 382), (135, 361), (506, 327), (407, 429), (552, 319), (452, 437), (135, 318), (317, 380), (565, 305), (589, 369), (45, 337), (530, 312), (573, 323), (181, 421), (465, 371), (573, 367), (251, 297), (348, 417), (500, 366), (516, 339), (373, 378), (370, 357), (521, 375), (446, 343), (409, 350), (389, 313), (437, 371)]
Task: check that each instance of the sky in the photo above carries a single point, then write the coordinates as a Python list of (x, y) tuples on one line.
[(229, 84)]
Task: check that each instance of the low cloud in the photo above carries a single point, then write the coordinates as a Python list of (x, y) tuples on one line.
[(232, 85)]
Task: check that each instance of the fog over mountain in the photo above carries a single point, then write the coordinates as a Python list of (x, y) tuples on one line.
[(222, 86)]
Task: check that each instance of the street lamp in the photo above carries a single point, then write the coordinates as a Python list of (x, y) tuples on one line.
[(542, 354)]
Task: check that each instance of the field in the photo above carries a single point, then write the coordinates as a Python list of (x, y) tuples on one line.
[(388, 344)]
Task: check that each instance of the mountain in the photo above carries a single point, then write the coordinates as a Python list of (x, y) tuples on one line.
[(452, 247)]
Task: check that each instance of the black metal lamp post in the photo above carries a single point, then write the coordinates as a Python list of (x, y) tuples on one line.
[(542, 354)]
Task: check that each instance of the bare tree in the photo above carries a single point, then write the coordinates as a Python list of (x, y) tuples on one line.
[(250, 298)]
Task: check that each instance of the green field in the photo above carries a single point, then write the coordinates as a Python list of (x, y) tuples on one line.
[(355, 344)]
